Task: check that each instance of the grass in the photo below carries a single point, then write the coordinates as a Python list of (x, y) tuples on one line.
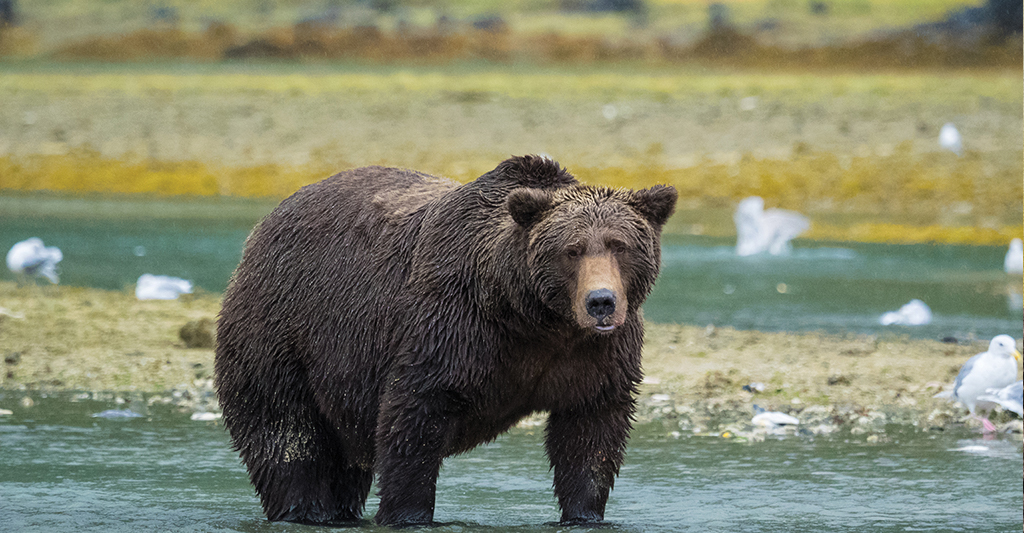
[(857, 152), (526, 82)]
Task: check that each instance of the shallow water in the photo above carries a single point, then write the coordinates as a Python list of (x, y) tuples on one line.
[(839, 288), (63, 470)]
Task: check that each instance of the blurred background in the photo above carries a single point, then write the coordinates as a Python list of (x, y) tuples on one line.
[(149, 137)]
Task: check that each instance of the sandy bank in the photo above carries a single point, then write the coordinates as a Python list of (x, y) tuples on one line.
[(76, 339)]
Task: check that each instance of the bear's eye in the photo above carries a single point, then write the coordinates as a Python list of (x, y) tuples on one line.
[(617, 247), (572, 253)]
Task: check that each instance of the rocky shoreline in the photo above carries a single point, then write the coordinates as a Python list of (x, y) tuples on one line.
[(91, 344)]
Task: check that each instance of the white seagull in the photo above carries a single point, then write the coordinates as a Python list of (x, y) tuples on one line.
[(1010, 397), (994, 369), (949, 138), (913, 313), (759, 230), (30, 258), (1013, 263), (151, 287), (773, 421)]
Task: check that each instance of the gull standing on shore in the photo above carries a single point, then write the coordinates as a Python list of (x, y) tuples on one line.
[(994, 369)]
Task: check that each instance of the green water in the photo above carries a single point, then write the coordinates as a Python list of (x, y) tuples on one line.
[(63, 470), (842, 287)]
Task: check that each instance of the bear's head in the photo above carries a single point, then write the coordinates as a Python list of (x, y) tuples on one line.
[(593, 253)]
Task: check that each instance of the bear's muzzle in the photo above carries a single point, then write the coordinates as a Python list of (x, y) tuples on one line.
[(600, 299)]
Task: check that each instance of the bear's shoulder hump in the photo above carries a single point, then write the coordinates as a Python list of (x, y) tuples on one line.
[(534, 171)]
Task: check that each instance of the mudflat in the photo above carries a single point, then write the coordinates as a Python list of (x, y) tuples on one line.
[(699, 379)]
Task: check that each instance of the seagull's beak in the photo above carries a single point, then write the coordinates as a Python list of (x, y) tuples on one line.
[(1016, 355)]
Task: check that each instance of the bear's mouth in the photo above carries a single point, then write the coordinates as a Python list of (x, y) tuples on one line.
[(604, 328)]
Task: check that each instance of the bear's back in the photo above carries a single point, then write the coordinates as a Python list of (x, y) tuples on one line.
[(393, 193)]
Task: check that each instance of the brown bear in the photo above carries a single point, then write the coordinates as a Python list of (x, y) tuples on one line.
[(384, 319)]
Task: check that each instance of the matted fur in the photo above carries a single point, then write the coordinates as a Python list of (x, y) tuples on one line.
[(383, 319)]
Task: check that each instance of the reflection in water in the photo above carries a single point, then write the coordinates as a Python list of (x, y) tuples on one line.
[(62, 470)]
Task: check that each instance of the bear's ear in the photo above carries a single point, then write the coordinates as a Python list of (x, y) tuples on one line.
[(655, 204), (527, 205)]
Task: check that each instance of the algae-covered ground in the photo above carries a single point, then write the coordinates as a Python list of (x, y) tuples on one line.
[(858, 153), (57, 338)]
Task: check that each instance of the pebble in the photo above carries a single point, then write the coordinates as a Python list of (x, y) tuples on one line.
[(755, 386)]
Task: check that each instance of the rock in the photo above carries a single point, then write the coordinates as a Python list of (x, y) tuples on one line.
[(838, 379), (1013, 426), (754, 386), (860, 346), (198, 333)]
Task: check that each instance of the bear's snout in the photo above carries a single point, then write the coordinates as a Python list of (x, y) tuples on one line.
[(600, 297), (601, 304)]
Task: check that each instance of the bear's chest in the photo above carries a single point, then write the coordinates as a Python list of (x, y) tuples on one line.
[(544, 378)]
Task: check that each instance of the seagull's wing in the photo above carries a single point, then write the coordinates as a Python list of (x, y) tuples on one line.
[(964, 371), (781, 226), (1010, 397)]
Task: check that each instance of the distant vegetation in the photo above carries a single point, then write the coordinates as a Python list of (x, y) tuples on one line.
[(830, 107), (791, 34)]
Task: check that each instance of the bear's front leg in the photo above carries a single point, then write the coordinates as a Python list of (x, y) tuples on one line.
[(586, 448), (411, 437)]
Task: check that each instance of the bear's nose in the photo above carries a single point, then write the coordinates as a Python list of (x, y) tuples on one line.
[(600, 304)]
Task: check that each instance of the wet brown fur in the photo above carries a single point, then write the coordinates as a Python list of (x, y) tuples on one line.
[(383, 319)]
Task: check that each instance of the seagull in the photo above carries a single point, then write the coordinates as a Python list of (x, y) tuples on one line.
[(30, 258), (772, 420), (949, 138), (151, 287), (759, 230), (993, 369), (1010, 397), (1014, 261), (913, 313)]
